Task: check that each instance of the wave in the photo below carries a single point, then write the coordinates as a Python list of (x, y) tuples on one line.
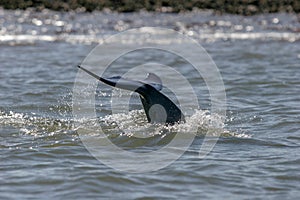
[(88, 39), (132, 124)]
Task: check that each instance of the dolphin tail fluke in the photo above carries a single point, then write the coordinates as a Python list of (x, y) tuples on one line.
[(158, 107), (153, 80)]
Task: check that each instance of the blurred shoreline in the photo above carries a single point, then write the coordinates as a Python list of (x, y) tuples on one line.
[(241, 7)]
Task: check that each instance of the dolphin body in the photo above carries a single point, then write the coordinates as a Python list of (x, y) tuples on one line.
[(158, 107)]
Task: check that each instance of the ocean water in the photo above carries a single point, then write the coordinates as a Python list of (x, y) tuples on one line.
[(43, 153)]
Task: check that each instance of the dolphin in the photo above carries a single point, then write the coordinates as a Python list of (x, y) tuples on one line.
[(158, 107)]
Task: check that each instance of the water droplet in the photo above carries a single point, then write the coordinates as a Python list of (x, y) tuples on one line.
[(275, 20)]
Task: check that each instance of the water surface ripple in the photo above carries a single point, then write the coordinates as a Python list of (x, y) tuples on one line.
[(256, 157)]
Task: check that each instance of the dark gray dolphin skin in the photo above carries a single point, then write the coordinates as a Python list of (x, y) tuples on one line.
[(158, 107)]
